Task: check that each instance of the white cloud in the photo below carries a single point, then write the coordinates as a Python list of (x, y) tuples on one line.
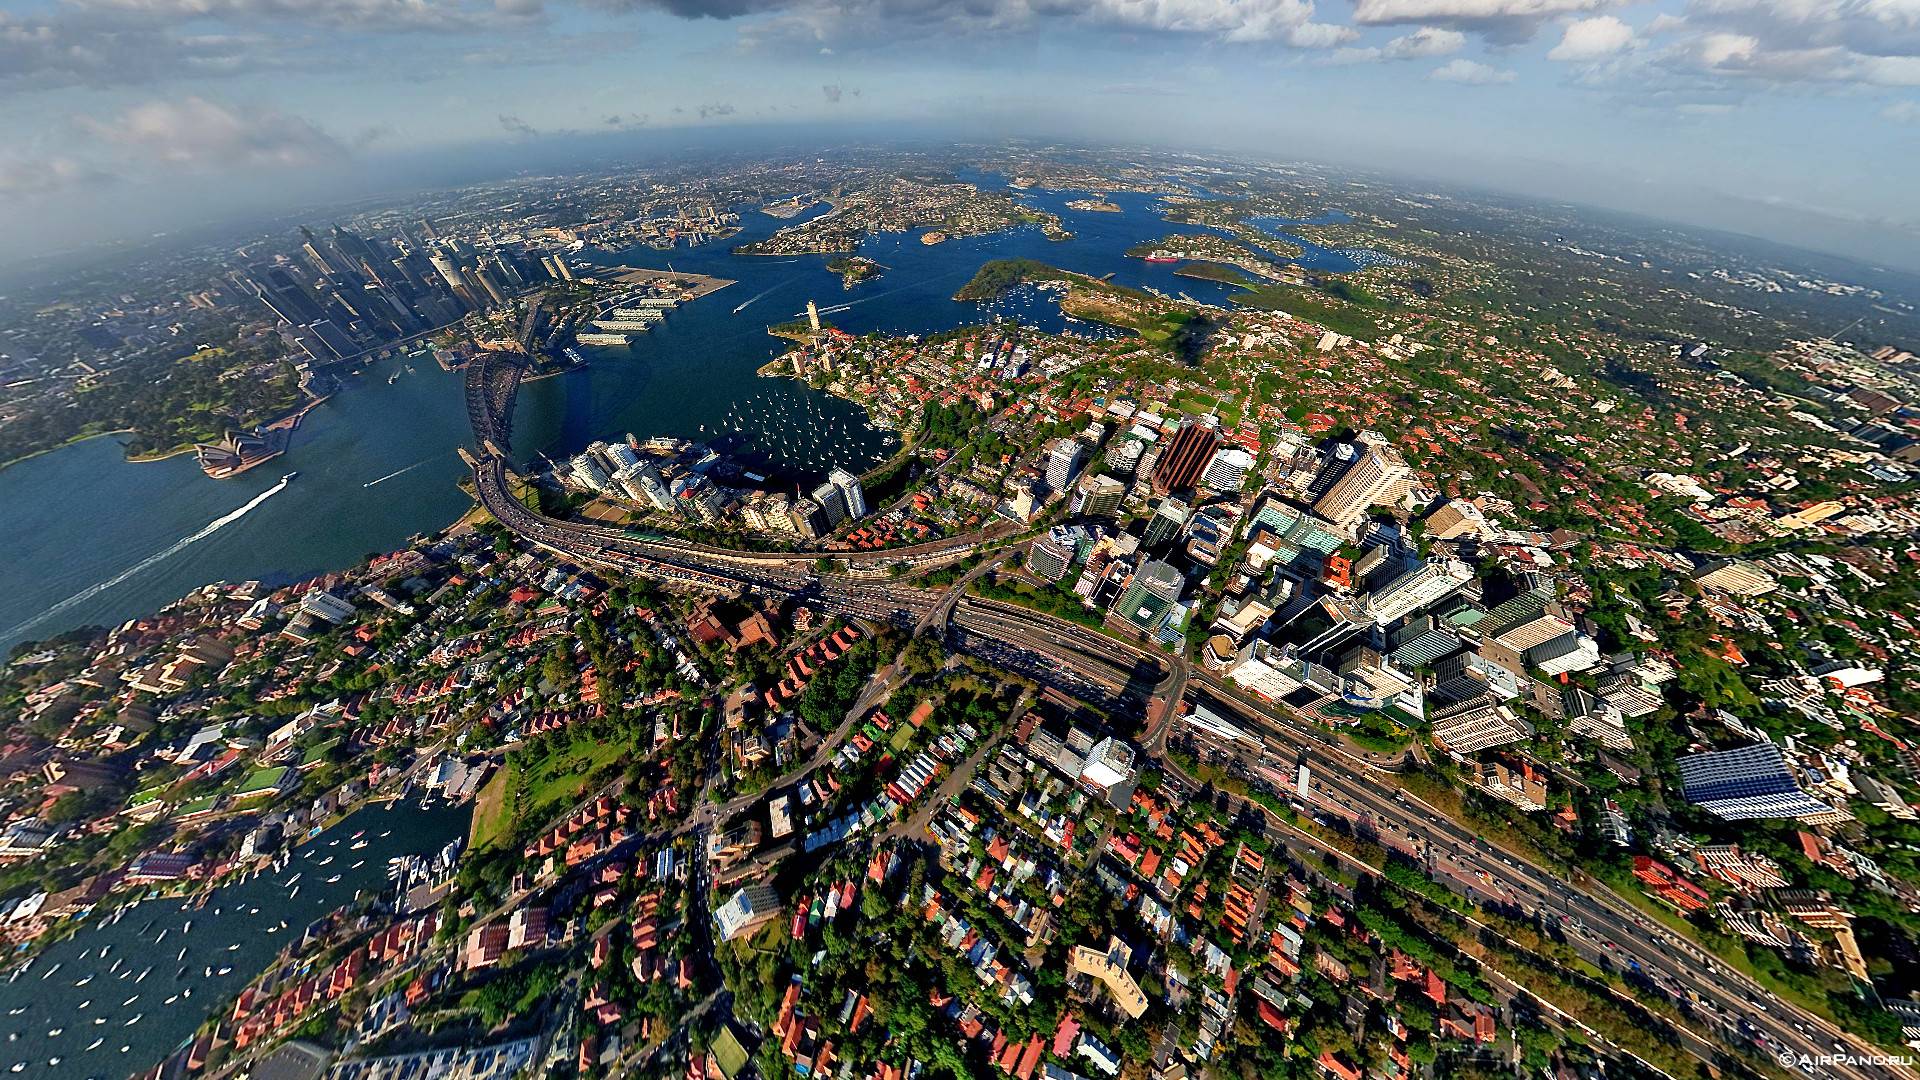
[(1500, 20), (1864, 42), (196, 134), (1470, 72), (355, 14), (1425, 42), (1902, 112), (853, 24), (36, 176), (1587, 40)]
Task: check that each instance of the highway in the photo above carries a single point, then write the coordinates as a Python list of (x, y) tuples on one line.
[(1601, 926), (1124, 677)]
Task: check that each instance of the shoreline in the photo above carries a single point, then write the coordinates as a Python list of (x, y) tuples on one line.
[(294, 417)]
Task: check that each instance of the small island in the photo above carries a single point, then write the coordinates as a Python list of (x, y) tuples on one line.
[(1096, 203), (1091, 299), (854, 269), (1209, 271)]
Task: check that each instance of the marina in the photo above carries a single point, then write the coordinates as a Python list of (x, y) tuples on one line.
[(233, 933)]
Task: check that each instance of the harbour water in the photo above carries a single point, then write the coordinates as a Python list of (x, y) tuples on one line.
[(94, 539), (127, 990)]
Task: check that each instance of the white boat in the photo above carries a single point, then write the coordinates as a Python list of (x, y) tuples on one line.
[(82, 1007), (54, 1033), (182, 956), (95, 1044), (163, 935), (171, 1000), (130, 1001), (135, 1020), (143, 975), (85, 979), (334, 879), (235, 947), (49, 973), (188, 992), (224, 971), (294, 893)]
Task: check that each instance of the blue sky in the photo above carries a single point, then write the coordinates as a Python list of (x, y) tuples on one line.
[(1798, 120)]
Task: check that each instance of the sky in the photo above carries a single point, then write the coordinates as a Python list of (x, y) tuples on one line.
[(1794, 120)]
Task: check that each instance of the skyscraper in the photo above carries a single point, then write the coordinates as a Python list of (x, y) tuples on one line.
[(1051, 556), (1749, 783), (1527, 620), (1185, 457), (1415, 589), (850, 492), (1098, 495), (456, 280), (1149, 598), (1377, 474), (1165, 524), (1063, 462), (1227, 470), (1476, 724), (833, 502), (495, 294)]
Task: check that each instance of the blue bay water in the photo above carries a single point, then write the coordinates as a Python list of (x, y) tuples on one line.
[(90, 538)]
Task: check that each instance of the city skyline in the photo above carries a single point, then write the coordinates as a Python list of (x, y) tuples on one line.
[(127, 119)]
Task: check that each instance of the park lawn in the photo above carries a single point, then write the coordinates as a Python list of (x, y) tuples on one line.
[(561, 777), (492, 812)]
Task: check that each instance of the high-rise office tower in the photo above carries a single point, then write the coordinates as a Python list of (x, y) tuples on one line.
[(1475, 724), (1051, 556), (1180, 466), (1063, 462), (1165, 524), (1415, 589), (850, 492), (1377, 474), (1227, 470), (1752, 782), (456, 280), (495, 294), (833, 502), (286, 297), (1527, 620), (1149, 598), (1098, 495)]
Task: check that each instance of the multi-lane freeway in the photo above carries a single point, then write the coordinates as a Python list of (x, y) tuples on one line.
[(1724, 1004)]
